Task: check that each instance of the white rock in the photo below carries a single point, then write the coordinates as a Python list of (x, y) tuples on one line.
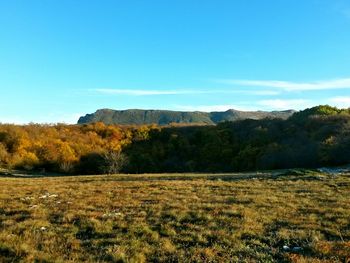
[(286, 248)]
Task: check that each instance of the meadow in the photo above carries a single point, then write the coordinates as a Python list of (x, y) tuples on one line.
[(246, 217)]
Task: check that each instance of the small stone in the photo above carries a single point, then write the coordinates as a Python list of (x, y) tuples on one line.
[(297, 249)]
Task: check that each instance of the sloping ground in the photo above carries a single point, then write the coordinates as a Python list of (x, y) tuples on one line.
[(254, 217), (164, 117)]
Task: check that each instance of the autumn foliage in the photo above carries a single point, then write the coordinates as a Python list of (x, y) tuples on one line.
[(66, 148), (315, 137)]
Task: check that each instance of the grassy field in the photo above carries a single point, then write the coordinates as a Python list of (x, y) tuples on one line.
[(176, 218)]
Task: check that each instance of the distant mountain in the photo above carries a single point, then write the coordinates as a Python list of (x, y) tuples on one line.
[(165, 117)]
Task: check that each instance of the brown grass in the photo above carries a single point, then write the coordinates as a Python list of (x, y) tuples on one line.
[(176, 218)]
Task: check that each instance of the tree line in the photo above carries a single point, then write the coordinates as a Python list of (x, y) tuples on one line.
[(73, 149), (318, 136)]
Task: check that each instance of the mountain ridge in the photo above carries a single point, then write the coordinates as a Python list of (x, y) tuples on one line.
[(166, 117)]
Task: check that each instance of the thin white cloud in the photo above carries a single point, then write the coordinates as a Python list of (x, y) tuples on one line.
[(280, 104), (139, 92), (48, 118), (264, 92), (145, 92), (12, 120), (210, 108), (341, 102), (342, 7), (69, 118), (58, 117), (292, 86)]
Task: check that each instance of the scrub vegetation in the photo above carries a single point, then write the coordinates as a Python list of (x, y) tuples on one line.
[(282, 216)]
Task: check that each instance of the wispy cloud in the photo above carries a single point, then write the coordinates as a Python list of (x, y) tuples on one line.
[(263, 92), (139, 92), (342, 102), (12, 120), (292, 86), (342, 7), (146, 92), (280, 104), (68, 118)]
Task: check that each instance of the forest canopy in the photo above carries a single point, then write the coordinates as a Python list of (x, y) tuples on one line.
[(319, 136)]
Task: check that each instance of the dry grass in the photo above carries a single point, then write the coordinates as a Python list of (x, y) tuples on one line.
[(176, 218)]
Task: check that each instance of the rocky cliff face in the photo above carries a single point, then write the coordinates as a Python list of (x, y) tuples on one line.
[(165, 117)]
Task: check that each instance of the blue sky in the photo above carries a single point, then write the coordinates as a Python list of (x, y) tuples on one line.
[(60, 59)]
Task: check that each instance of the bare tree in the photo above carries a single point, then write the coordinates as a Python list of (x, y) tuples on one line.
[(114, 161)]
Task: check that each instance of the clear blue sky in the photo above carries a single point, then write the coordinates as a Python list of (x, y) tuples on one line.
[(61, 58)]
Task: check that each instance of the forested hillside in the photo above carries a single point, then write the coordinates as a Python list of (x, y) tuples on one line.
[(319, 136), (165, 117)]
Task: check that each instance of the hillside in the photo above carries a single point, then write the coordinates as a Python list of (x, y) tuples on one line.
[(315, 137), (164, 117)]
